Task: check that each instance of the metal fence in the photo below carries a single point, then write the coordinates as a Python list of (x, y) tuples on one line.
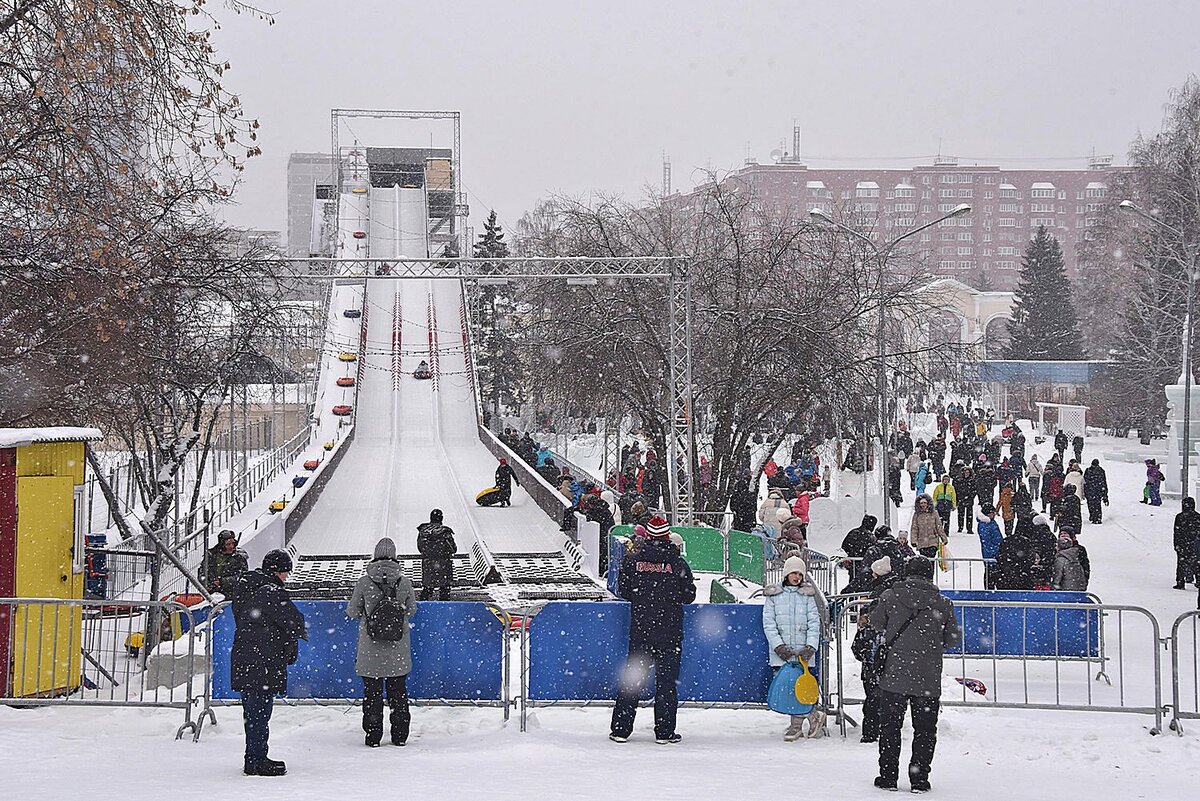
[(206, 697), (1039, 662), (1185, 669), (90, 653)]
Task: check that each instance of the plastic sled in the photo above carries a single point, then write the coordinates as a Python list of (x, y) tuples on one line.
[(488, 497)]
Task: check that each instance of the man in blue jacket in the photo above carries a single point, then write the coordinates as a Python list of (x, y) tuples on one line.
[(990, 539), (657, 582), (265, 642)]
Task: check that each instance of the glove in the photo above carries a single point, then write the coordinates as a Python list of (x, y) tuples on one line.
[(783, 652), (1106, 501), (806, 653)]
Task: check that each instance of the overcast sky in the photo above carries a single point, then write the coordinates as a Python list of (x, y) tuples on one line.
[(574, 98)]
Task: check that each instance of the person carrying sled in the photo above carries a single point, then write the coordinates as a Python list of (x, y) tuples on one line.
[(505, 476), (435, 542), (656, 581), (792, 623), (383, 602)]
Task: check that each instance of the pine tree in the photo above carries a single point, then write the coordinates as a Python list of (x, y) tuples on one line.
[(491, 244), (499, 367), (1044, 326)]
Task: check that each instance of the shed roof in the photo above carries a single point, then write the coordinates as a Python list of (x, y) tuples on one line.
[(19, 437)]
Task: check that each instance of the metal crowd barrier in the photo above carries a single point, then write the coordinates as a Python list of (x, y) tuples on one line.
[(1030, 666), (437, 679), (1185, 707), (88, 652)]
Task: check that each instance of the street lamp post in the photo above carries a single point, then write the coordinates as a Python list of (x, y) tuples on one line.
[(881, 257), (1191, 265)]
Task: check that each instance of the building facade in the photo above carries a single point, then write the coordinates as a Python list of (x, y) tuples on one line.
[(309, 183), (982, 249)]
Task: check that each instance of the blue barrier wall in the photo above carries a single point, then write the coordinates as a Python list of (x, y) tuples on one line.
[(457, 650), (577, 651), (1026, 632)]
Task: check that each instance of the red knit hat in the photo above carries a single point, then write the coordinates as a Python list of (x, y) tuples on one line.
[(658, 527)]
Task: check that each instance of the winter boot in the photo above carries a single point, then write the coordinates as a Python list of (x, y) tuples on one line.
[(816, 724), (794, 731)]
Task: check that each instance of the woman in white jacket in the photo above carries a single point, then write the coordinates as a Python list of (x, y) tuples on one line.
[(1033, 471), (792, 615)]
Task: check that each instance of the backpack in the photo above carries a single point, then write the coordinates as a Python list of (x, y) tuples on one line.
[(385, 623)]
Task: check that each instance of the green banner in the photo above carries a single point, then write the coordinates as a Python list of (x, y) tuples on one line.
[(746, 556)]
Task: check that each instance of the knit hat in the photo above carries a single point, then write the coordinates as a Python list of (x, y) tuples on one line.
[(385, 549), (1041, 520), (639, 532), (794, 564), (435, 516), (677, 541), (882, 566), (277, 561), (503, 460), (919, 567), (658, 528)]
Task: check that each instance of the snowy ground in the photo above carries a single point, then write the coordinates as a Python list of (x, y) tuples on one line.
[(454, 754), (726, 754)]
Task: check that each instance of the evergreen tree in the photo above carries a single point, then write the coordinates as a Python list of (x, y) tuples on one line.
[(491, 244), (1044, 326), (499, 367)]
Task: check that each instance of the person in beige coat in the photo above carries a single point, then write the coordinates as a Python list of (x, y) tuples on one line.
[(925, 531)]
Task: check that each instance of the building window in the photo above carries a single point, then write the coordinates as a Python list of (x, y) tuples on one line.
[(1041, 207), (1010, 208), (966, 251), (989, 179), (987, 237), (1037, 222), (1006, 222), (1092, 222), (1041, 193), (965, 192), (925, 208), (905, 207), (946, 193), (965, 236), (925, 180), (944, 207), (1010, 193), (947, 179), (966, 265)]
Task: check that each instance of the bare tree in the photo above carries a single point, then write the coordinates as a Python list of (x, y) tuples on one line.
[(784, 324)]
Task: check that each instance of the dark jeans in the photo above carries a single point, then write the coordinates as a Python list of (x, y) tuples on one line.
[(892, 707), (1008, 527), (256, 711), (505, 496), (945, 522), (1095, 510), (397, 696), (1185, 567), (964, 513), (870, 711), (990, 574), (1034, 483), (665, 660)]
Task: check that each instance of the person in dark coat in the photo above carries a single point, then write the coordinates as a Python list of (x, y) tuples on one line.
[(657, 582), (505, 476), (885, 545), (865, 648), (856, 544), (917, 624), (383, 663), (1014, 561), (1095, 490), (224, 562), (599, 512), (1077, 445), (1060, 444), (744, 504), (1045, 546), (266, 640), (937, 455), (1187, 530), (964, 494), (436, 544), (985, 484), (1070, 515)]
